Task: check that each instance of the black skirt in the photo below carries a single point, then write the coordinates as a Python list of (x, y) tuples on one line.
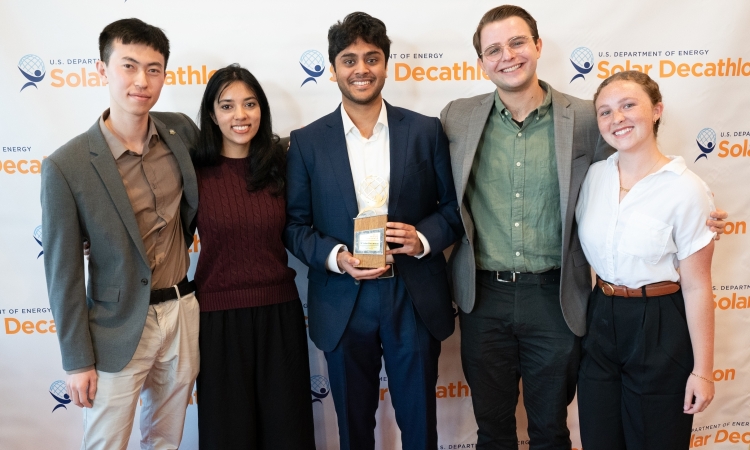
[(254, 381)]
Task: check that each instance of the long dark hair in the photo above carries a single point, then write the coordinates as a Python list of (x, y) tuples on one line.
[(267, 159)]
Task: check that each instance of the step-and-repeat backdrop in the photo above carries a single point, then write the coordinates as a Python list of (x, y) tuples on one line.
[(49, 92)]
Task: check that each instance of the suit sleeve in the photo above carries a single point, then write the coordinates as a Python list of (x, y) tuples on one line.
[(192, 133), (603, 150), (443, 227), (193, 127), (444, 114), (63, 267), (300, 236)]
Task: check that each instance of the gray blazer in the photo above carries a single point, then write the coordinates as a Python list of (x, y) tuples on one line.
[(83, 198), (577, 145)]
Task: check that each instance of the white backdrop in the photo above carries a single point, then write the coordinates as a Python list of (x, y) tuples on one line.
[(696, 50)]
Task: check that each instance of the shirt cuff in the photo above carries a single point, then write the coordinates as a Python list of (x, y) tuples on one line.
[(81, 370), (425, 244), (331, 263)]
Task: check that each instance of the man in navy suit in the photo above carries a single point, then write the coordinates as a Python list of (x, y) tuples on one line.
[(399, 312)]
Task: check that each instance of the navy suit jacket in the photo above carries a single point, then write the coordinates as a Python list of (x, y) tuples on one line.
[(321, 205)]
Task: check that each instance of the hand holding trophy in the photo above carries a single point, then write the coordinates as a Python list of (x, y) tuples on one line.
[(369, 226)]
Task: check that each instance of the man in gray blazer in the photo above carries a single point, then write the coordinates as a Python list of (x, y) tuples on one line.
[(519, 275), (127, 187)]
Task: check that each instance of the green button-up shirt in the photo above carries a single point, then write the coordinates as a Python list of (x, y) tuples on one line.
[(513, 192)]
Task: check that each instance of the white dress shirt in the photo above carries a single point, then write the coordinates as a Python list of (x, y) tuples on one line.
[(368, 158), (641, 239)]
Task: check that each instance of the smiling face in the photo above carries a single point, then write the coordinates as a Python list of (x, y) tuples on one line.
[(626, 116), (515, 71), (135, 75), (360, 71), (237, 113)]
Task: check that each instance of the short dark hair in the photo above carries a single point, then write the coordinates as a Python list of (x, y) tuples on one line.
[(357, 25), (132, 31), (649, 86), (501, 13), (267, 160)]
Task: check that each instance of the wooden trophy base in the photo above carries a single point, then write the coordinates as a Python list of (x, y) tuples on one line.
[(369, 241)]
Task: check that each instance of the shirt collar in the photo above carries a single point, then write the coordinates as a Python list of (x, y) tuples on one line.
[(676, 164), (541, 111), (116, 146), (381, 124)]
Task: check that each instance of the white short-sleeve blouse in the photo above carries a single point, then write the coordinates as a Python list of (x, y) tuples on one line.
[(641, 240)]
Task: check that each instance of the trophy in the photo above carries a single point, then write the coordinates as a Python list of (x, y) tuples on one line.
[(369, 226)]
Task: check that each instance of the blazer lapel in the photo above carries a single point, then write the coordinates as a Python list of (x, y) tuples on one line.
[(477, 121), (335, 148), (175, 143), (564, 119), (398, 134), (104, 163)]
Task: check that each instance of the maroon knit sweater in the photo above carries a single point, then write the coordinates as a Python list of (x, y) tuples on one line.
[(242, 262)]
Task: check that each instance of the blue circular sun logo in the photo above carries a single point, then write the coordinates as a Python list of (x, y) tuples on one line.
[(313, 64), (32, 68), (583, 62), (706, 141), (319, 387)]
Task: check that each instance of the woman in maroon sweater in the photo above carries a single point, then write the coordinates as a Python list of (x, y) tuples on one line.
[(254, 381)]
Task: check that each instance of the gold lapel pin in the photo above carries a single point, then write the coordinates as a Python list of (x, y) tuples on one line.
[(172, 132)]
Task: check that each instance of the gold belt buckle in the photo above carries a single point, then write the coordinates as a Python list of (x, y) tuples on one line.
[(607, 285)]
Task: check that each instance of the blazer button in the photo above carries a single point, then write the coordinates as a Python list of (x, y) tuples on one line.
[(144, 281), (356, 282)]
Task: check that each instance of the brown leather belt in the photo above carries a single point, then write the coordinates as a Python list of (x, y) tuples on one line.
[(649, 290)]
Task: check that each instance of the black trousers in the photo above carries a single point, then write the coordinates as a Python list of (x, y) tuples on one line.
[(517, 331), (254, 380), (637, 357)]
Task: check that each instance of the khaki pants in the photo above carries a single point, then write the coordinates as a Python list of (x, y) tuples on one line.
[(162, 373)]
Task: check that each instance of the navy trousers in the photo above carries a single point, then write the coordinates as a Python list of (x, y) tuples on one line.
[(385, 324)]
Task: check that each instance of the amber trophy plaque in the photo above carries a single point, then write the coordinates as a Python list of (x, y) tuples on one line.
[(369, 227)]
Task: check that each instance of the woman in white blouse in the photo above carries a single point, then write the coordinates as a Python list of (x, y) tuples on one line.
[(647, 359)]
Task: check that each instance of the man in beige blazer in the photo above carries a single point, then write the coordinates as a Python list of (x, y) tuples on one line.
[(519, 275)]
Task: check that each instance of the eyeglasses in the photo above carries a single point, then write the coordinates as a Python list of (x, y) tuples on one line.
[(515, 45)]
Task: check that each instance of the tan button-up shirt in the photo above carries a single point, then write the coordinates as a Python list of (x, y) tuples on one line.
[(153, 182)]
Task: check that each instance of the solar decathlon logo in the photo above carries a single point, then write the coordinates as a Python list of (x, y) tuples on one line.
[(32, 68), (38, 239), (706, 141), (319, 388), (583, 62), (59, 393), (313, 64)]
